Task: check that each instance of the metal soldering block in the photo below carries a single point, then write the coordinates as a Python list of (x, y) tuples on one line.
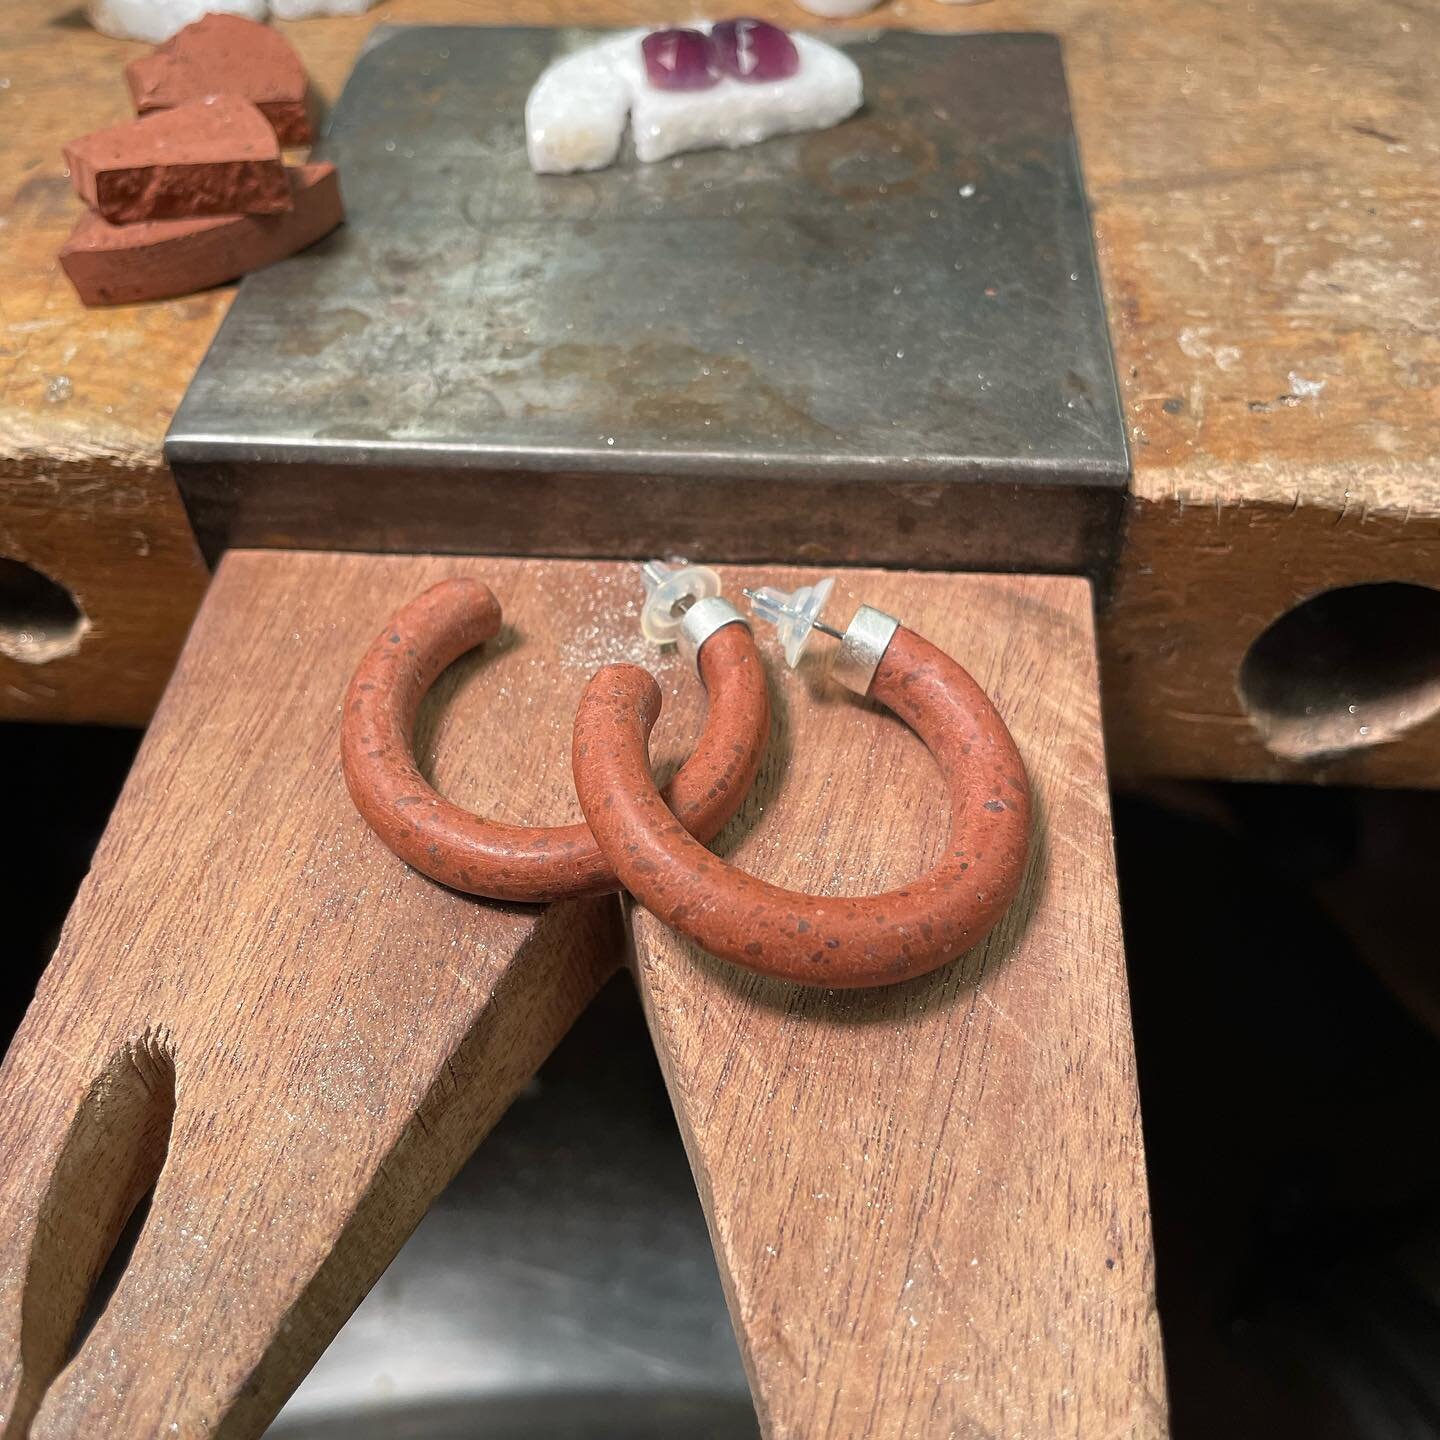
[(883, 343)]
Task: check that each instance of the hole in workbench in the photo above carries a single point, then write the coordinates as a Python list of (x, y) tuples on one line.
[(1348, 668), (40, 620)]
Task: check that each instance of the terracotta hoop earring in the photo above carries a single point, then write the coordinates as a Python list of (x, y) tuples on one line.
[(516, 862), (813, 940)]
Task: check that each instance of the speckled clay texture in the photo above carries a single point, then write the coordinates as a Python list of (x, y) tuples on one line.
[(214, 156), (156, 259), (515, 862), (828, 941), (229, 54)]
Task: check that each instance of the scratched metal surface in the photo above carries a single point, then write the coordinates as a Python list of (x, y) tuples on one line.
[(910, 298)]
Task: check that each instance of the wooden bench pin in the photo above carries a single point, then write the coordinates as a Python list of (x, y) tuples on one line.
[(840, 941)]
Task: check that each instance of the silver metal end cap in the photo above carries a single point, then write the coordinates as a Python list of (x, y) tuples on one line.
[(862, 648), (701, 621)]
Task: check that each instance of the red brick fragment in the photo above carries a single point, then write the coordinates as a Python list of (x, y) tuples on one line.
[(227, 55), (211, 157), (158, 259)]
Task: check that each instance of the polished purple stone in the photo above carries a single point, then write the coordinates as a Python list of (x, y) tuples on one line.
[(753, 50), (678, 60)]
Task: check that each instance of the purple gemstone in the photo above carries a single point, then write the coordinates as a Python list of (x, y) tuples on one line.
[(753, 50), (678, 60)]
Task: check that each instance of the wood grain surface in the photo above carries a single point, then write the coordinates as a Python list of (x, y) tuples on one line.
[(254, 1000), (115, 535), (928, 1201), (1263, 181)]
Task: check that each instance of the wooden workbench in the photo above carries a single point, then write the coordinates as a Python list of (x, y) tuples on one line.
[(1264, 179), (927, 1201)]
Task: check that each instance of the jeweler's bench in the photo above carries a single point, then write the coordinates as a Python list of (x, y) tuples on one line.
[(253, 995), (1263, 188)]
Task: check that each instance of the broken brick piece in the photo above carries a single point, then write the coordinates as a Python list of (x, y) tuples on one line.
[(159, 259), (217, 156), (230, 55)]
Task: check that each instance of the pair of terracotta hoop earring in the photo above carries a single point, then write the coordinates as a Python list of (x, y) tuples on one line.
[(651, 842)]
